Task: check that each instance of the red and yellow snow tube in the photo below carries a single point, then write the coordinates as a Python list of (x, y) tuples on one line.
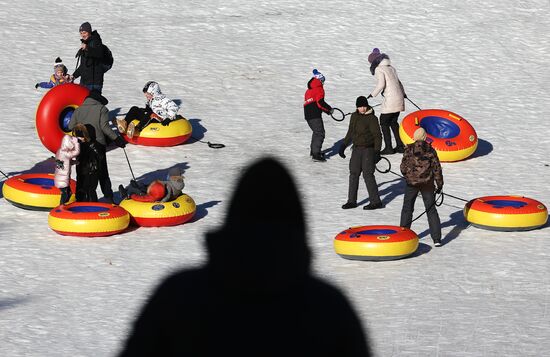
[(506, 213), (57, 106), (452, 136), (88, 219), (375, 243), (34, 191), (157, 214), (154, 134)]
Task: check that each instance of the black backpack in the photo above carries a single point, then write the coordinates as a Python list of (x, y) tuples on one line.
[(107, 60)]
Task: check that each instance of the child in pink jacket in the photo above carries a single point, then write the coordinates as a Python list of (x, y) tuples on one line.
[(64, 158)]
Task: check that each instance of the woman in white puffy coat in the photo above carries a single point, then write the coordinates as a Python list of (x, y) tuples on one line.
[(388, 83), (64, 158)]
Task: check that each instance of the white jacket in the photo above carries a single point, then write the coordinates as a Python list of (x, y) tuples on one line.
[(160, 104), (69, 150), (388, 83)]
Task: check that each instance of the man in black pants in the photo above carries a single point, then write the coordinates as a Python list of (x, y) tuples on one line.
[(365, 135)]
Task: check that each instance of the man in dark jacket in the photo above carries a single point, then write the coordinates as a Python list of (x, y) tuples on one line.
[(91, 54), (364, 133), (94, 112), (422, 171), (256, 295), (314, 106)]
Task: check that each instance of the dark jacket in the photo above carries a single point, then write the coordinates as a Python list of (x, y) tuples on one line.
[(94, 112), (256, 295), (420, 165), (364, 131), (90, 68), (314, 100)]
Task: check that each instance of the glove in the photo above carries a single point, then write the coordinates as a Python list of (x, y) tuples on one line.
[(341, 152), (377, 157), (165, 122), (120, 142), (438, 190), (59, 164), (370, 96), (36, 85)]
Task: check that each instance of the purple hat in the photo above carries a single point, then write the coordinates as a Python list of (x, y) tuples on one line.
[(374, 54), (85, 27)]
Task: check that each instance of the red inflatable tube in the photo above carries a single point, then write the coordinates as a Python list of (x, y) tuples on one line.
[(48, 114)]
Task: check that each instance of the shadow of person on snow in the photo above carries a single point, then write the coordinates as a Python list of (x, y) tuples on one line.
[(198, 129), (457, 221), (202, 210), (13, 302), (421, 250), (256, 293), (333, 150)]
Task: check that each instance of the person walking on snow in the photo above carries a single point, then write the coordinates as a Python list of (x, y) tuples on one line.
[(91, 54), (364, 134), (388, 83), (64, 158), (158, 107), (422, 171), (314, 106)]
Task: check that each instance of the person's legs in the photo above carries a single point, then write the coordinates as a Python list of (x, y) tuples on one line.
[(317, 136), (394, 125), (408, 205), (354, 172), (368, 167), (97, 87), (385, 120), (103, 174), (428, 196), (65, 195)]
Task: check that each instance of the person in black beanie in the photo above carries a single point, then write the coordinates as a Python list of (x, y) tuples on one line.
[(364, 133), (90, 56)]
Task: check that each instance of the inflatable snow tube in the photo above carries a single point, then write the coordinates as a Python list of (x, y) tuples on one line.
[(158, 214), (88, 219), (452, 136), (506, 213), (375, 243), (154, 134), (34, 191), (55, 110)]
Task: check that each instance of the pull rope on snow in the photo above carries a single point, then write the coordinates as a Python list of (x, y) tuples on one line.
[(128, 161), (210, 145)]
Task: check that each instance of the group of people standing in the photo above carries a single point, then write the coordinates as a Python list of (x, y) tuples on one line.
[(420, 165), (91, 131)]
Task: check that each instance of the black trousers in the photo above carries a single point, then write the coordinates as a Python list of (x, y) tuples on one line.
[(362, 161), (389, 121), (141, 114), (103, 173), (65, 194), (428, 196), (318, 135)]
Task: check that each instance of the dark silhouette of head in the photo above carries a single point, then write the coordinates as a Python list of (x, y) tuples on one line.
[(265, 228)]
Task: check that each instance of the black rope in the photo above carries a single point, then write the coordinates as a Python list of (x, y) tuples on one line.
[(210, 145), (128, 161), (339, 111), (6, 176), (413, 103)]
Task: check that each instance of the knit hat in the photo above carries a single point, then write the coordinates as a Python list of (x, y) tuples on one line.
[(58, 63), (419, 134), (175, 171), (362, 101), (85, 27), (318, 75), (374, 54)]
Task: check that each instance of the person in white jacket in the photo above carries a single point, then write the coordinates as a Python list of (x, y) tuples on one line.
[(388, 83), (64, 158), (158, 107)]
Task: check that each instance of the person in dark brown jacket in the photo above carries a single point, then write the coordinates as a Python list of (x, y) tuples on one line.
[(364, 133), (422, 171)]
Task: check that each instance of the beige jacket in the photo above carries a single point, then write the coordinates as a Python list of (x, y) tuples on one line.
[(389, 84)]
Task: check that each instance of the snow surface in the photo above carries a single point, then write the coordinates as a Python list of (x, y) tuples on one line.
[(240, 70)]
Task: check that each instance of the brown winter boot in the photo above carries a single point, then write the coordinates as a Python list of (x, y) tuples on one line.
[(121, 125)]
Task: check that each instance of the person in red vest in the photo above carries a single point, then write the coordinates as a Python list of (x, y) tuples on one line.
[(314, 106)]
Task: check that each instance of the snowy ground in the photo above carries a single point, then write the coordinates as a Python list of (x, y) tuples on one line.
[(240, 70)]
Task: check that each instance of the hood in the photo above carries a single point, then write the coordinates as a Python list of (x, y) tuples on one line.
[(314, 83), (382, 58), (262, 245), (153, 88)]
